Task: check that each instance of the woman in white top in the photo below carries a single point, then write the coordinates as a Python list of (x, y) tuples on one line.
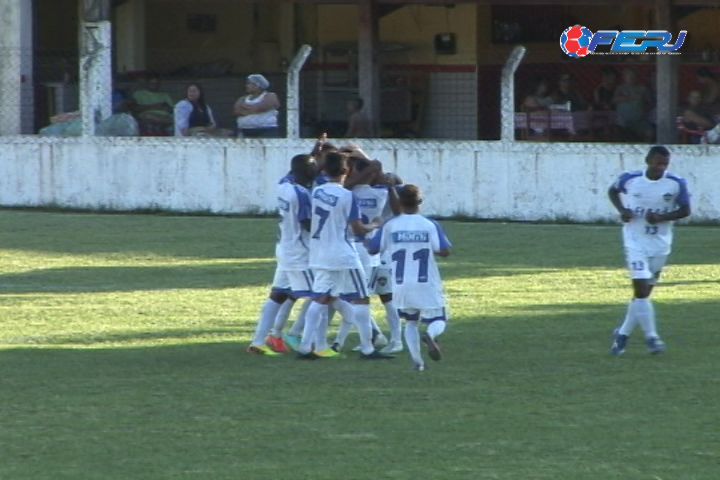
[(257, 112), (192, 115)]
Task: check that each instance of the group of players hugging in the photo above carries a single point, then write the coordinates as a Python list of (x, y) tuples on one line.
[(348, 230)]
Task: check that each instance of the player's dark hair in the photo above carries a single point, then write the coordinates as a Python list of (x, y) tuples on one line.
[(409, 196), (302, 169), (360, 163), (335, 164), (658, 150)]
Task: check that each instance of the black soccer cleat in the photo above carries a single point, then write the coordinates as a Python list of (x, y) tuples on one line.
[(306, 356), (376, 355)]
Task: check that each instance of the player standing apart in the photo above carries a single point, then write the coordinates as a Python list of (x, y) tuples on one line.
[(412, 240), (293, 278), (652, 199)]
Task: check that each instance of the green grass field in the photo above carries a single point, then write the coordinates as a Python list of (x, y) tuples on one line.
[(122, 357)]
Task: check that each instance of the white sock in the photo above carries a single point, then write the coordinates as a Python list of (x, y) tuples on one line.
[(321, 333), (297, 328), (364, 326), (645, 315), (393, 321), (436, 328), (267, 317), (412, 338), (374, 324), (316, 313), (343, 331), (630, 321), (282, 317)]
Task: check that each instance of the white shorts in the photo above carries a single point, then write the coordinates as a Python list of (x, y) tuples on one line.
[(297, 283), (381, 280), (367, 261), (425, 315), (643, 267), (349, 284)]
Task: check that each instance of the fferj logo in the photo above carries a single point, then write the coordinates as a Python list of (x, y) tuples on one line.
[(578, 41)]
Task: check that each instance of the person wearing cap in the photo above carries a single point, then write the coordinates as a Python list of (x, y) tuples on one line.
[(257, 112)]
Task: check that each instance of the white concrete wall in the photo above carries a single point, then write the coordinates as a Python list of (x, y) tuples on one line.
[(519, 181)]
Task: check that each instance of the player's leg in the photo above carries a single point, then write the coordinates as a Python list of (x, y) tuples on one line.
[(355, 279), (278, 295), (395, 345), (412, 337), (436, 321), (645, 310), (638, 269), (323, 284), (293, 336), (282, 317)]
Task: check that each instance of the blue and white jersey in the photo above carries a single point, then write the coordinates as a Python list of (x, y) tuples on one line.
[(331, 248), (411, 240), (292, 250), (642, 195), (372, 200)]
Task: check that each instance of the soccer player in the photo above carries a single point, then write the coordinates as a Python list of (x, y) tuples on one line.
[(335, 264), (411, 240), (374, 194), (652, 199), (293, 278)]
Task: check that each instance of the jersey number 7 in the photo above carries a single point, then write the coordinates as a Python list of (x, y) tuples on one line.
[(323, 214)]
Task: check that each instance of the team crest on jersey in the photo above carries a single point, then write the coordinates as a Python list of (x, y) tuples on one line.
[(382, 281), (668, 197), (283, 204)]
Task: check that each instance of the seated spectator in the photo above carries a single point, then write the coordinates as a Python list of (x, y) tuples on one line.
[(696, 117), (359, 125), (539, 98), (257, 112), (193, 117), (631, 100), (153, 108), (603, 93), (566, 93), (709, 87)]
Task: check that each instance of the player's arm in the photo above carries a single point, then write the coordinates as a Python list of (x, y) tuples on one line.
[(440, 243), (682, 211), (363, 173), (614, 195), (374, 244), (360, 228), (678, 214)]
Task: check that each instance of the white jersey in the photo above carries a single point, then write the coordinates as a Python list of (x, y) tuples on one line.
[(372, 201), (411, 241), (331, 248), (292, 249), (642, 195)]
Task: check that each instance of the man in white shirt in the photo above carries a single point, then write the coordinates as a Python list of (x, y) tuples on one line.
[(293, 278), (652, 199), (335, 264), (412, 241)]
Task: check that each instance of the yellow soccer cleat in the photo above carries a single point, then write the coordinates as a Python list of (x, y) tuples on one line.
[(328, 353), (261, 350)]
